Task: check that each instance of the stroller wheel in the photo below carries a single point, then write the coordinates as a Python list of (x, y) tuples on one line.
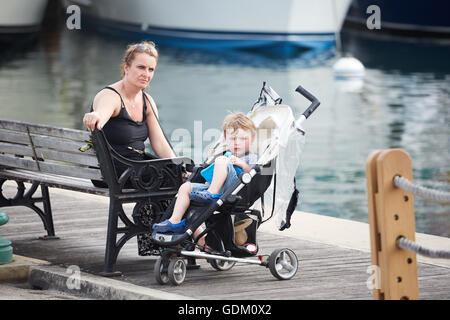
[(283, 264), (160, 271), (177, 271), (221, 265)]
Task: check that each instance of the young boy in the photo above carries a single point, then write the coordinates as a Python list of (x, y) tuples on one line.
[(239, 132)]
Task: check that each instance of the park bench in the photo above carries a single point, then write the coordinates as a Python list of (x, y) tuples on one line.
[(46, 156)]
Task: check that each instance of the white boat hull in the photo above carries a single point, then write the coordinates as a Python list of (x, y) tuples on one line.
[(220, 23), (21, 16)]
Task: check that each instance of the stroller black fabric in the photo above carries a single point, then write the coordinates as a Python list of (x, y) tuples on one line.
[(221, 237)]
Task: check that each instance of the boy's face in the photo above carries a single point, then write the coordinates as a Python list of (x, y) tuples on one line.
[(238, 141)]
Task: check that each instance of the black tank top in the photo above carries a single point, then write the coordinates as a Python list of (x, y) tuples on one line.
[(126, 135)]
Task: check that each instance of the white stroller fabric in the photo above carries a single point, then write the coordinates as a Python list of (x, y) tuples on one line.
[(279, 139)]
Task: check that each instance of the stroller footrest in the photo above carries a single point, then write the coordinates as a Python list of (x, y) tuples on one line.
[(169, 239)]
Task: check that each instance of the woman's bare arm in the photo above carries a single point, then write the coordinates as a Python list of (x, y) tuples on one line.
[(157, 138), (105, 105)]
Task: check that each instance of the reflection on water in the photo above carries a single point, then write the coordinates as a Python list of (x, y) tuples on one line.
[(404, 103)]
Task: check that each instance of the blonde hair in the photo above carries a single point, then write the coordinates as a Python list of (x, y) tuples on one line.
[(148, 47), (237, 121)]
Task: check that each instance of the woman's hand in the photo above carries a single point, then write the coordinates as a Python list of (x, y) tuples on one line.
[(91, 119)]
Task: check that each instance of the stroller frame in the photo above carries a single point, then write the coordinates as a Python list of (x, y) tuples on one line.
[(171, 267)]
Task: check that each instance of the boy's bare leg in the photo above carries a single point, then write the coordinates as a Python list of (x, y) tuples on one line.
[(219, 175), (201, 241), (182, 203)]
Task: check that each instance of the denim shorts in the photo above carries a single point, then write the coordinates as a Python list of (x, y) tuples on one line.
[(230, 180)]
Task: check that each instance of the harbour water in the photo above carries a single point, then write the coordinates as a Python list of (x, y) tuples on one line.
[(403, 103)]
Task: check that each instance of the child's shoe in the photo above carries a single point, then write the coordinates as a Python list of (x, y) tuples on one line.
[(204, 196), (167, 226)]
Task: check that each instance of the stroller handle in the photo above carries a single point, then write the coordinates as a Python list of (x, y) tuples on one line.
[(314, 104)]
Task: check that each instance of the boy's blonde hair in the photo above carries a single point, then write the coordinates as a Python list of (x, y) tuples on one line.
[(237, 121)]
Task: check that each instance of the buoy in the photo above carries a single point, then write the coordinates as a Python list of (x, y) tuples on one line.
[(349, 74), (348, 68)]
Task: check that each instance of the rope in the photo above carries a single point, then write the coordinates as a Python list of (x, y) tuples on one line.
[(426, 193), (406, 244)]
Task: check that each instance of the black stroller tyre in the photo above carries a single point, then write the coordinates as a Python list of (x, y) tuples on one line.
[(283, 264), (221, 265), (160, 272), (177, 271)]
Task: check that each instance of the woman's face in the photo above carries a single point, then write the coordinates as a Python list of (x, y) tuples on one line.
[(141, 70)]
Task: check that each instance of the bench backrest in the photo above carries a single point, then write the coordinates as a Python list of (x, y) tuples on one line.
[(47, 149)]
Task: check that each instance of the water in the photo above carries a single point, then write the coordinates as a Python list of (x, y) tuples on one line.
[(404, 103)]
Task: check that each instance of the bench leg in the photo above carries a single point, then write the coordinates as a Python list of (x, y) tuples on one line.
[(47, 217), (111, 250), (22, 198), (130, 230)]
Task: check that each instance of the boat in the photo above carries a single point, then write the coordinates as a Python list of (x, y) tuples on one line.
[(214, 24), (21, 16), (415, 18)]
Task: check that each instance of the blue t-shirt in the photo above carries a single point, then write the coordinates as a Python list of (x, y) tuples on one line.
[(249, 158)]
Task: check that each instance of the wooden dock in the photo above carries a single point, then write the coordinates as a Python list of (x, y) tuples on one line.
[(326, 271)]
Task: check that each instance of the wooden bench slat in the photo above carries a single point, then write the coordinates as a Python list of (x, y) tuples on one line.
[(77, 158), (54, 168), (46, 130), (58, 144), (80, 158), (43, 141), (18, 149), (61, 182), (14, 137)]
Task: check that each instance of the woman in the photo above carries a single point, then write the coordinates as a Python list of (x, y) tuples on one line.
[(128, 115)]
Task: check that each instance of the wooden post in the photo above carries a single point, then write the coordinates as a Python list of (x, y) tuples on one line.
[(391, 215)]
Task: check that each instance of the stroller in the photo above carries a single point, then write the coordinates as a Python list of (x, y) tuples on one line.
[(232, 221)]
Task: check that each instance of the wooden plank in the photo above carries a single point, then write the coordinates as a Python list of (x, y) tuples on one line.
[(16, 149), (72, 183), (46, 130), (53, 168), (77, 158), (395, 218), (44, 141), (46, 154), (314, 280), (16, 137), (60, 145)]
